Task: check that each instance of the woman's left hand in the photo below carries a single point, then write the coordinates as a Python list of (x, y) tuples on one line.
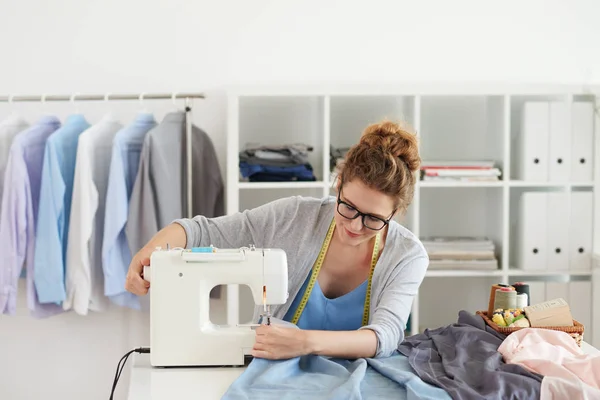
[(277, 342)]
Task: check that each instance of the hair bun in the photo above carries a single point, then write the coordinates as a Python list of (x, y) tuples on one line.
[(392, 139)]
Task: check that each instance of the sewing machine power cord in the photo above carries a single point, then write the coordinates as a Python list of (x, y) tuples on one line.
[(121, 364)]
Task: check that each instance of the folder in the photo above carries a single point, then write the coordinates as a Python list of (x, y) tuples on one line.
[(534, 148), (556, 290), (580, 301), (559, 156), (532, 248), (580, 231), (557, 248), (537, 292), (582, 145)]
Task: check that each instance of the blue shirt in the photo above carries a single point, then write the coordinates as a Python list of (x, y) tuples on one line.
[(55, 208), (343, 313), (116, 255)]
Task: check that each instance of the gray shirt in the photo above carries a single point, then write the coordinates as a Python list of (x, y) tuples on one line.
[(159, 194), (298, 225)]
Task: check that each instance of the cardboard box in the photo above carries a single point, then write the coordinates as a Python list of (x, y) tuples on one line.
[(549, 313)]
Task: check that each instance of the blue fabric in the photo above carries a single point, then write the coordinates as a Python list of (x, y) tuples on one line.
[(288, 173), (55, 208), (116, 255), (343, 313), (320, 378), (316, 377)]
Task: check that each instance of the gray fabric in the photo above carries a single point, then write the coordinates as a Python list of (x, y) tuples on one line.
[(296, 153), (159, 193), (298, 225), (462, 358)]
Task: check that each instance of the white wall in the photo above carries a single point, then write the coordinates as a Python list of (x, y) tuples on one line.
[(69, 46)]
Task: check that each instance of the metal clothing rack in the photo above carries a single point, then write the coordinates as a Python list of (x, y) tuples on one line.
[(129, 96)]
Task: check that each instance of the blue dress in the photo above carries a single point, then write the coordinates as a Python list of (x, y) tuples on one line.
[(343, 313)]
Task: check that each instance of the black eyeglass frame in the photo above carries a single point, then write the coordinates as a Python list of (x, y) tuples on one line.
[(361, 214)]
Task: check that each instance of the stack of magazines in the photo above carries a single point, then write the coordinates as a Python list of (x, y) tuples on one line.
[(459, 171), (460, 253)]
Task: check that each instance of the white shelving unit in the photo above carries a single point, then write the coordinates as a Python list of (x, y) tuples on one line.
[(452, 122)]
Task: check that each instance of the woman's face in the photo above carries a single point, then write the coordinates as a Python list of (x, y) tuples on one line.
[(356, 197)]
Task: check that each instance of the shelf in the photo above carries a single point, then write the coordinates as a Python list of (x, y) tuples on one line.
[(462, 273), (454, 124), (520, 272), (513, 183), (518, 183), (282, 185), (458, 184)]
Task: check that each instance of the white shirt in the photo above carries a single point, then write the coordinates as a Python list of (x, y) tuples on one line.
[(84, 275)]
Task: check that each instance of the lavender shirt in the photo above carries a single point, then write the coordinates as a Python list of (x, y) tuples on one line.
[(20, 205)]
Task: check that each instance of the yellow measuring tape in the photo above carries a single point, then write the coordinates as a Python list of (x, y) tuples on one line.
[(317, 268)]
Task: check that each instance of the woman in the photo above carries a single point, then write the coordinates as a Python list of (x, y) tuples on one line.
[(348, 242)]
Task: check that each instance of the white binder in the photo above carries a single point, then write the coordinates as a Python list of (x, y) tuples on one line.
[(532, 248), (580, 303), (533, 163), (537, 292), (580, 231), (556, 290), (557, 215), (559, 156), (582, 134)]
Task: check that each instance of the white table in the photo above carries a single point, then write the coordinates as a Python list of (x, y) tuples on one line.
[(148, 383)]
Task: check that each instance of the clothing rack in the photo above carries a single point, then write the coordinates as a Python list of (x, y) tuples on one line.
[(121, 96)]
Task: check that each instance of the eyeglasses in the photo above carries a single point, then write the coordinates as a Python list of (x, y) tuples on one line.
[(369, 221)]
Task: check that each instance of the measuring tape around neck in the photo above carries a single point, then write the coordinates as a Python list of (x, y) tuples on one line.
[(317, 267)]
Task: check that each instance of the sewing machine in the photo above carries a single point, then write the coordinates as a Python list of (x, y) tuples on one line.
[(181, 333)]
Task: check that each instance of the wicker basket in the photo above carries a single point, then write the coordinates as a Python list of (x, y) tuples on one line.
[(576, 331)]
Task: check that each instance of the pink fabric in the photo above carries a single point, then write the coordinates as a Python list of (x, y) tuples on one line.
[(568, 372)]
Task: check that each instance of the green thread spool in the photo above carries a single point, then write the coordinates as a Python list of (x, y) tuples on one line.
[(505, 298)]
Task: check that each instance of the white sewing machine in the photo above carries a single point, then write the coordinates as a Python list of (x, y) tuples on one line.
[(181, 333)]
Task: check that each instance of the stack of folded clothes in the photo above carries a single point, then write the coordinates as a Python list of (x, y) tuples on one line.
[(277, 163)]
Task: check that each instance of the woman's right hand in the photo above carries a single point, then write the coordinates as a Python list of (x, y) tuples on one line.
[(134, 282), (174, 235)]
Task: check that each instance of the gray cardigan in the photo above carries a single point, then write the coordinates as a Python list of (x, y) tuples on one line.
[(298, 225)]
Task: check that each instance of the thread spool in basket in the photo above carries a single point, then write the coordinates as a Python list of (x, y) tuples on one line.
[(522, 300), (492, 300), (505, 298), (521, 287)]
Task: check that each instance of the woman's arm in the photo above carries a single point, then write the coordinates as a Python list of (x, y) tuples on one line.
[(281, 342), (342, 344), (173, 235), (257, 226), (390, 315)]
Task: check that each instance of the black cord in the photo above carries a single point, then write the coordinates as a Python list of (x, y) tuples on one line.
[(121, 365)]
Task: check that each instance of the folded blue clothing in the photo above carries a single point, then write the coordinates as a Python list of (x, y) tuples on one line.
[(304, 171), (319, 378)]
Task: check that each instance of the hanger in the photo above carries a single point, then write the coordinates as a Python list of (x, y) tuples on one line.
[(109, 115), (75, 105), (176, 108), (143, 109)]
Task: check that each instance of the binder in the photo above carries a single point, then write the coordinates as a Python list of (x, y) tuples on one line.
[(532, 248), (557, 290), (557, 248), (559, 155), (533, 163), (537, 292), (582, 145), (580, 231), (580, 302)]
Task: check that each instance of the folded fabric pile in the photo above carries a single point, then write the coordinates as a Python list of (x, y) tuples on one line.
[(276, 163), (336, 156), (461, 253)]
